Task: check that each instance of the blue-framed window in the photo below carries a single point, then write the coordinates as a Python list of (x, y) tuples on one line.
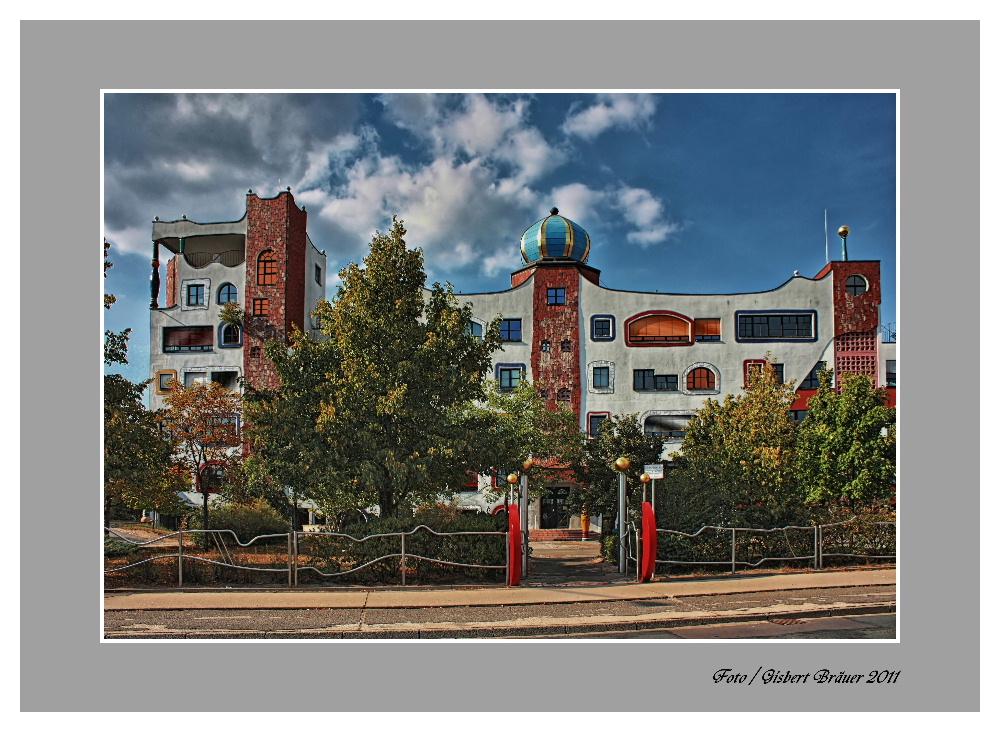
[(602, 327), (230, 336), (228, 293), (776, 325), (509, 375), (557, 296), (510, 329)]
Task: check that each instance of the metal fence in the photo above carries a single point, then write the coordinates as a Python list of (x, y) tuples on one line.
[(282, 553), (751, 547)]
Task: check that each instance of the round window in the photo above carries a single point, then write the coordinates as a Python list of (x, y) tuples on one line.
[(857, 285)]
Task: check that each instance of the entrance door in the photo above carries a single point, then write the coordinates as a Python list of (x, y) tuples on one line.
[(555, 515)]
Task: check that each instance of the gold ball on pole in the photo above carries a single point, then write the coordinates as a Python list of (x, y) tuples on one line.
[(623, 463), (513, 478), (844, 231), (527, 465), (645, 478)]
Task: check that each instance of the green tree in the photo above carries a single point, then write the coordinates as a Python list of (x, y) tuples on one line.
[(377, 411), (619, 436), (847, 443), (744, 448), (137, 456)]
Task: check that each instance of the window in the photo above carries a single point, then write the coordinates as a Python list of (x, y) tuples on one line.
[(557, 296), (659, 329), (890, 374), (757, 365), (567, 346), (700, 379), (857, 285), (543, 393), (797, 415), (563, 395), (510, 329), (546, 346), (707, 329), (222, 431), (195, 378), (602, 377), (318, 273), (163, 379), (667, 427), (261, 306), (594, 422), (772, 326), (648, 380), (195, 296), (602, 327), (475, 330), (228, 293), (812, 380), (472, 484), (509, 378), (188, 338), (267, 269), (230, 336), (227, 379), (254, 351)]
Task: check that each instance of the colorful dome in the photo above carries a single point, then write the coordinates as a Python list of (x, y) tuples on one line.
[(555, 236)]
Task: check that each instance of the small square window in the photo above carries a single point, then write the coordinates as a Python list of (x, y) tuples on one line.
[(509, 378), (567, 346), (594, 424), (602, 377), (557, 296), (195, 378), (195, 295), (475, 330), (510, 330), (546, 346), (563, 395), (163, 379), (261, 306), (602, 328)]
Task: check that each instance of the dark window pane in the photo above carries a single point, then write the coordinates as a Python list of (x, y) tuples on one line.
[(510, 330), (602, 377), (602, 328)]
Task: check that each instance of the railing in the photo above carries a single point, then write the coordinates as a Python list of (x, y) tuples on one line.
[(888, 332), (753, 547), (292, 553), (229, 258)]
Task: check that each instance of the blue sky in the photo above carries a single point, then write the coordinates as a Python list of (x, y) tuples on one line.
[(687, 193)]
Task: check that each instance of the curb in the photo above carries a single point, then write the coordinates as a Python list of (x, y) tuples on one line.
[(432, 631)]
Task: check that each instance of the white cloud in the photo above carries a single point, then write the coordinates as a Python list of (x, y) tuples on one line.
[(131, 240), (645, 212), (610, 110), (576, 201)]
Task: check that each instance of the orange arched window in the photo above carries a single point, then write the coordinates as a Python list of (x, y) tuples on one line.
[(659, 328), (700, 378), (267, 268)]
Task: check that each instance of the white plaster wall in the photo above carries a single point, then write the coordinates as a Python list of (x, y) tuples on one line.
[(514, 303), (314, 292)]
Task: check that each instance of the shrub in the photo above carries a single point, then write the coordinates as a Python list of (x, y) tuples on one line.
[(118, 548), (248, 520)]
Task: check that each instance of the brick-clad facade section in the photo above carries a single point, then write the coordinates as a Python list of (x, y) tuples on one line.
[(279, 226), (557, 324), (172, 281), (856, 319)]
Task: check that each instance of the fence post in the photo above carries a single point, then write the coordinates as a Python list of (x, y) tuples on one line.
[(295, 558), (180, 558), (816, 546), (733, 554), (819, 552), (289, 554), (402, 556)]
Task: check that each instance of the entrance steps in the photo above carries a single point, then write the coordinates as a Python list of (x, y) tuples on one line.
[(561, 535)]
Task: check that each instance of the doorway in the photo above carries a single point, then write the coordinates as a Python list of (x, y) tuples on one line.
[(555, 515)]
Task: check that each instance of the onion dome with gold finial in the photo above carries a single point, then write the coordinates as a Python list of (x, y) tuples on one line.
[(555, 237)]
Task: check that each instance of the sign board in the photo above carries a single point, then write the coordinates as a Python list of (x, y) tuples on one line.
[(653, 471)]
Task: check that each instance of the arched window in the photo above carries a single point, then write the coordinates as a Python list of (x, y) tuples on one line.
[(857, 285), (659, 329), (700, 379), (227, 293), (231, 335), (267, 268)]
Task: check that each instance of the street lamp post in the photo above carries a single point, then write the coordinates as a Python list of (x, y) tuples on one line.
[(621, 465)]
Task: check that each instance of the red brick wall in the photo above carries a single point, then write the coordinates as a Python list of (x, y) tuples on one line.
[(277, 225), (172, 283), (856, 319), (557, 323)]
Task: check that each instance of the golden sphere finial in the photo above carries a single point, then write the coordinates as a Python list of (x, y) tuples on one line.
[(623, 463), (645, 478), (513, 478), (844, 231), (527, 465)]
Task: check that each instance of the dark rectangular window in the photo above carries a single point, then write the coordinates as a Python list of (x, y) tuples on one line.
[(196, 295), (812, 380), (510, 329), (642, 379), (602, 328), (890, 373), (776, 326), (595, 424), (509, 379), (226, 379), (188, 338), (557, 296), (319, 275), (602, 377), (665, 382), (779, 372)]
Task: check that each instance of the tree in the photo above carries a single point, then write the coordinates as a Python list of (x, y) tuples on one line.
[(619, 436), (744, 448), (377, 412), (847, 443), (137, 456), (203, 421)]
